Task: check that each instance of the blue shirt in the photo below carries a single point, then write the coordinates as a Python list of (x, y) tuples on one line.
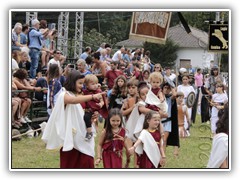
[(85, 73), (126, 57), (23, 38), (14, 38), (35, 39), (84, 55)]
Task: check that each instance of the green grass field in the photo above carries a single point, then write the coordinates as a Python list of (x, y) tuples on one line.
[(194, 151)]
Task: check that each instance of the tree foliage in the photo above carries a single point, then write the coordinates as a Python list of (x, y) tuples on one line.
[(198, 19), (115, 26), (112, 27), (224, 65), (93, 39), (165, 54)]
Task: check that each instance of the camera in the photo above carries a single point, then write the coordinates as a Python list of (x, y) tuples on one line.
[(71, 66), (51, 26)]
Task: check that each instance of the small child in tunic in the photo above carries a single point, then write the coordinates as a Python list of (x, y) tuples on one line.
[(156, 80), (182, 113), (151, 155), (91, 82), (112, 141), (130, 102), (218, 100)]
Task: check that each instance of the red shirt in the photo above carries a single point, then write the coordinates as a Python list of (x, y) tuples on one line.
[(111, 76), (136, 74)]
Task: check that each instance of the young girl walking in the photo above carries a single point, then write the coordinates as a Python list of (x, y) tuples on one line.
[(182, 114), (149, 144), (112, 141), (136, 118)]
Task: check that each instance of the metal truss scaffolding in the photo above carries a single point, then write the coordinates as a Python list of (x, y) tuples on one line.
[(63, 24), (30, 16), (62, 43), (78, 34)]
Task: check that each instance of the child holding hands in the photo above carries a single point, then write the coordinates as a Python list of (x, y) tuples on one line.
[(149, 145), (112, 141)]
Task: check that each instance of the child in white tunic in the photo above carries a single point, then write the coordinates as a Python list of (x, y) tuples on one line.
[(219, 153), (186, 89), (218, 100)]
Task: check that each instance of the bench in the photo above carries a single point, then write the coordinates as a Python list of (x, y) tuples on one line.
[(40, 119)]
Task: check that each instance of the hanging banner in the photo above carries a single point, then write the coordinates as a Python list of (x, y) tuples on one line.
[(150, 26), (218, 37)]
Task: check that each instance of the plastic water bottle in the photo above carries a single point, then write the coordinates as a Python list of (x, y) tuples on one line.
[(44, 97)]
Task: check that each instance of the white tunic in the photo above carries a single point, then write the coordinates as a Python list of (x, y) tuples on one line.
[(219, 150), (186, 90), (66, 128), (218, 98), (150, 147)]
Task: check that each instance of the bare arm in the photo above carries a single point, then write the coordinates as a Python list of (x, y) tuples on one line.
[(101, 103), (163, 156), (119, 56), (20, 45), (103, 68), (163, 114), (187, 116), (161, 96), (132, 149), (14, 87), (126, 110), (81, 98), (174, 93), (127, 145), (22, 86), (143, 109), (99, 147), (224, 164), (105, 81)]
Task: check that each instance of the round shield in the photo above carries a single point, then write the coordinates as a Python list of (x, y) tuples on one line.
[(190, 99), (169, 81), (15, 132)]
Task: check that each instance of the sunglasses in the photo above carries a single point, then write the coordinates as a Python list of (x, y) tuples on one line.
[(157, 67), (58, 53)]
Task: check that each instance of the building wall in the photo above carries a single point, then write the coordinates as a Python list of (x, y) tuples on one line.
[(198, 56)]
